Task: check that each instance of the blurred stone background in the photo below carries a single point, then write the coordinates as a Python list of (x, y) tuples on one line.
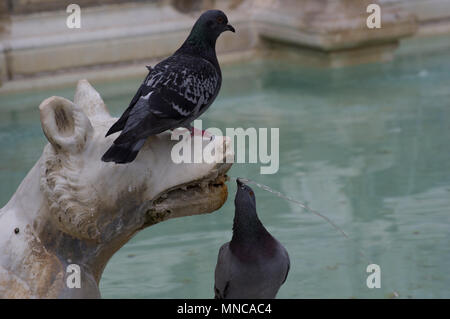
[(117, 37)]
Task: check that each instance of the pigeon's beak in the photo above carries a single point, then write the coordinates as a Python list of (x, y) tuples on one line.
[(229, 27), (239, 182)]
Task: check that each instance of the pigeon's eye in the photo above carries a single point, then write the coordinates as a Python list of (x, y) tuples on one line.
[(252, 194), (219, 20)]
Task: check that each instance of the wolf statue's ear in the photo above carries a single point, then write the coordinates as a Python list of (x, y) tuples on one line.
[(65, 124), (68, 129), (90, 101)]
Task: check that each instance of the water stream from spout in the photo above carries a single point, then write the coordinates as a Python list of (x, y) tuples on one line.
[(301, 204)]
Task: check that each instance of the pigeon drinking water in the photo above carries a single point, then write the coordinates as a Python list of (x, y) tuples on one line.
[(175, 92), (253, 264)]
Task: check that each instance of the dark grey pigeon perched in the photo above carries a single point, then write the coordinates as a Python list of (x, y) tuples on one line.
[(253, 264), (175, 92)]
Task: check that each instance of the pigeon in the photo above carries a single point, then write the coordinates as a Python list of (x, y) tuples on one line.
[(175, 92), (253, 265)]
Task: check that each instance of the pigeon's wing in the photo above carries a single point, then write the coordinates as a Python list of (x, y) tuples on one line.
[(184, 85), (143, 122), (177, 91), (120, 123), (222, 275)]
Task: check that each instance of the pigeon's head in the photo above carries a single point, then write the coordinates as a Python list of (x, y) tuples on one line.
[(211, 24), (245, 197)]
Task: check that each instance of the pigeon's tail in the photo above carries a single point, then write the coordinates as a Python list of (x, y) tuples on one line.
[(123, 153), (119, 125)]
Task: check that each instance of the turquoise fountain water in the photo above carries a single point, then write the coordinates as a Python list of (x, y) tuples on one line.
[(367, 146)]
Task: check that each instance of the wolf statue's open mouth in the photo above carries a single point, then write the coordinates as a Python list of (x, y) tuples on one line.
[(205, 195)]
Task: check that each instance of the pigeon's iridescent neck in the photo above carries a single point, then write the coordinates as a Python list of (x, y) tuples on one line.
[(197, 45), (251, 241), (248, 229)]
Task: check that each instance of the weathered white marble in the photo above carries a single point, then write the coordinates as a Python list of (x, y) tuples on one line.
[(74, 208)]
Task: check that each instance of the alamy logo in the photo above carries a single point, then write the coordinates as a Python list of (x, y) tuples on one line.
[(374, 279), (374, 20), (74, 19), (192, 149), (73, 279)]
